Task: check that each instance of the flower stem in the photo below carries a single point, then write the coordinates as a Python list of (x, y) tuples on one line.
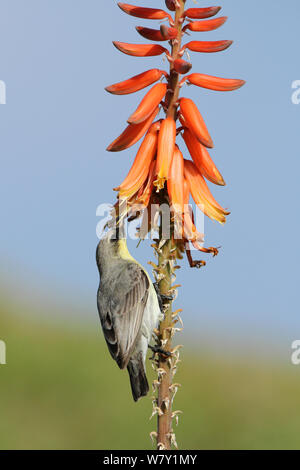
[(166, 365), (164, 402)]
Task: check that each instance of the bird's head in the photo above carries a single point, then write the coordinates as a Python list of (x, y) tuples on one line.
[(112, 248)]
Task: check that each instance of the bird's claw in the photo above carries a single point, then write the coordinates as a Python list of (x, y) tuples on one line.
[(162, 298), (214, 251), (159, 350), (197, 264), (166, 298)]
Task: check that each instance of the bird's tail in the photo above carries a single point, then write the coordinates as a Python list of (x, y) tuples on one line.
[(138, 379)]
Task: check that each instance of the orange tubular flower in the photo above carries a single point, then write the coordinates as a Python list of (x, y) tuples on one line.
[(165, 150), (202, 195), (175, 182), (189, 229), (171, 4), (149, 103), (190, 232), (144, 197), (207, 46), (186, 189), (163, 34), (132, 134), (201, 13), (140, 50), (213, 83), (146, 13), (194, 121), (140, 168), (202, 158), (207, 25), (136, 83)]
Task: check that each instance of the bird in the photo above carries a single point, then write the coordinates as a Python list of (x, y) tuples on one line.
[(129, 308)]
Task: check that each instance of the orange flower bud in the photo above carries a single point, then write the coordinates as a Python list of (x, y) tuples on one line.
[(214, 83), (132, 134), (168, 33), (149, 33), (202, 158), (182, 66), (136, 83), (140, 50), (207, 25), (149, 103), (207, 46), (194, 121), (171, 5), (164, 34), (200, 13), (146, 13), (165, 150)]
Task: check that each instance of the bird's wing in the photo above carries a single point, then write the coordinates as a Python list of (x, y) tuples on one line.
[(121, 312)]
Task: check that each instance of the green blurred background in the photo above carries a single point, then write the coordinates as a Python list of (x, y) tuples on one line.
[(61, 390)]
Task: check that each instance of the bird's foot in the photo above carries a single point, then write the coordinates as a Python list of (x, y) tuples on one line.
[(194, 263), (162, 298), (197, 264), (158, 350)]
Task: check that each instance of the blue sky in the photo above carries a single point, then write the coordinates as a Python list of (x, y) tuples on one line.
[(56, 58)]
